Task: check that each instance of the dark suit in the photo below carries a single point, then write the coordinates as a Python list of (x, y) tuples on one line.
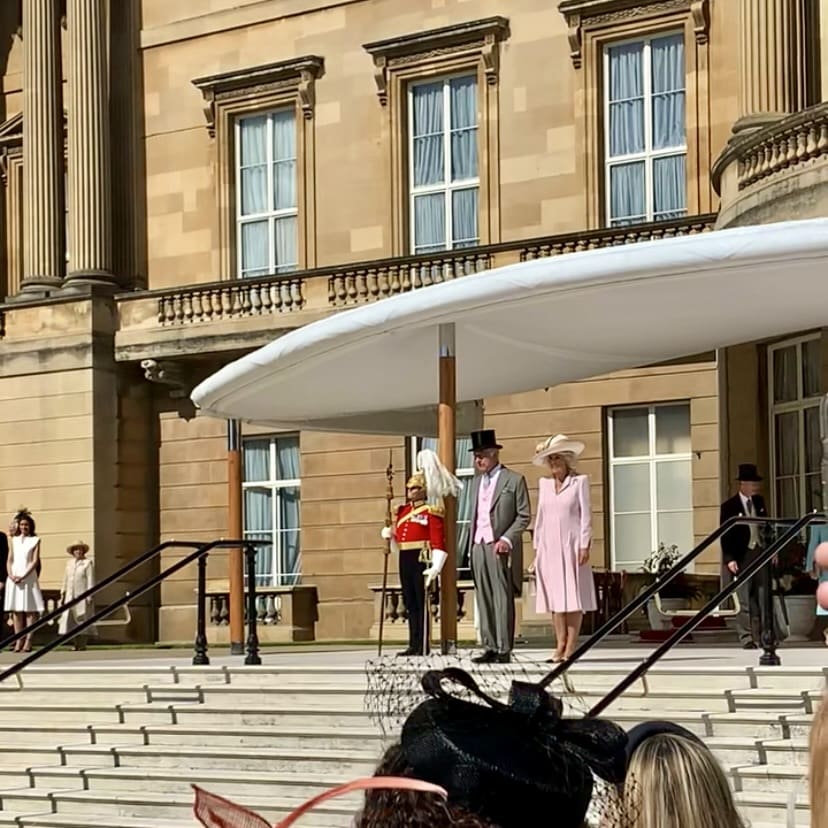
[(498, 579), (737, 546)]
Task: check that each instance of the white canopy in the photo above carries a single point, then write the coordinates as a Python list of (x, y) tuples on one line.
[(531, 325)]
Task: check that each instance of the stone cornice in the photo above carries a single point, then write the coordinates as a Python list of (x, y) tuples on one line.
[(297, 75), (583, 15), (476, 36)]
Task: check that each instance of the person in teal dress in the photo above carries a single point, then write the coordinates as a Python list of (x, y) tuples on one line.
[(818, 535)]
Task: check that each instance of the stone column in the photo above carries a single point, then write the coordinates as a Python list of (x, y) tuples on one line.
[(90, 199), (773, 59), (43, 173)]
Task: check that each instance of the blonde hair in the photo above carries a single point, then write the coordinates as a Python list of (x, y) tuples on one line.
[(819, 767), (569, 461), (673, 781)]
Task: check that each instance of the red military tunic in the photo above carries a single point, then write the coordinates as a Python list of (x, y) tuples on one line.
[(420, 527)]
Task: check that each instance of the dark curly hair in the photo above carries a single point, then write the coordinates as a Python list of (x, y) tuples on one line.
[(410, 809)]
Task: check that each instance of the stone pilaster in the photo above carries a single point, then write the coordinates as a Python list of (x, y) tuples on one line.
[(90, 198), (773, 60), (43, 169)]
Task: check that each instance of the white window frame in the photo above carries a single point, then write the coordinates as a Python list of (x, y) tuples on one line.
[(276, 577), (447, 187), (800, 405), (649, 155), (270, 215), (652, 459)]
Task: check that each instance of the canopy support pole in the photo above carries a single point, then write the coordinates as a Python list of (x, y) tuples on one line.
[(446, 432), (235, 529)]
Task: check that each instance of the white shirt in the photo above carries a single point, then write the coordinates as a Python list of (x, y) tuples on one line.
[(749, 508)]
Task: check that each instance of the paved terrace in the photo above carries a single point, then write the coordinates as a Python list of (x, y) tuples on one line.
[(613, 653)]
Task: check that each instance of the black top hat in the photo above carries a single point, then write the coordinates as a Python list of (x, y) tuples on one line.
[(508, 763), (748, 473), (485, 439)]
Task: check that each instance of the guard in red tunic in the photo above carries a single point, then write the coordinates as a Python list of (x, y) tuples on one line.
[(418, 534)]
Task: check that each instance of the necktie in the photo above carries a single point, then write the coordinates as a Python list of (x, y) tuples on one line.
[(754, 529)]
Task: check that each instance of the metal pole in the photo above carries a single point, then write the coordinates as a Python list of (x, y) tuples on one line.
[(769, 657), (252, 636), (200, 655), (235, 529), (447, 434)]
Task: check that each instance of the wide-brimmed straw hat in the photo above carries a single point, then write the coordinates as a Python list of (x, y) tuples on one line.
[(559, 444), (77, 545)]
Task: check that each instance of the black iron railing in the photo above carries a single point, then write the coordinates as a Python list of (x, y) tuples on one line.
[(199, 554), (762, 562)]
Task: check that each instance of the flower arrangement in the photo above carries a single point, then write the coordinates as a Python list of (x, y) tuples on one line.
[(660, 562)]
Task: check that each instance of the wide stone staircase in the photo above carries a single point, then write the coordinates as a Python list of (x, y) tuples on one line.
[(97, 745)]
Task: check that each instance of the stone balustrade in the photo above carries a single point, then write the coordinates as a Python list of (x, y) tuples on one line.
[(775, 172), (231, 300), (283, 613)]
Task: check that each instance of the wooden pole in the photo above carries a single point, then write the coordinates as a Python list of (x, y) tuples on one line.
[(235, 529), (446, 432)]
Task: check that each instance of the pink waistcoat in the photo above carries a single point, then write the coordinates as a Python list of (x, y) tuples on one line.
[(483, 532)]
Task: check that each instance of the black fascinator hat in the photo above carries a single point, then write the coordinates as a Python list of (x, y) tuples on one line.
[(509, 762)]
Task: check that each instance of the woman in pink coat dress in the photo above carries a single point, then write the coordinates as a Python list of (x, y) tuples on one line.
[(562, 537)]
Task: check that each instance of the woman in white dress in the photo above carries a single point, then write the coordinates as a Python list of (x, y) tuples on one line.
[(23, 597), (78, 578)]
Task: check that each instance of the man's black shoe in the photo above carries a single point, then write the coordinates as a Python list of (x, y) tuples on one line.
[(487, 658), (750, 645), (502, 658)]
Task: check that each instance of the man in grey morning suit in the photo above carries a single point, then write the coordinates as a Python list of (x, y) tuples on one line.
[(500, 512)]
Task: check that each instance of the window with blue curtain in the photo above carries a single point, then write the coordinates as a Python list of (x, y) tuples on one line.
[(267, 230), (443, 164), (465, 472), (271, 486), (645, 130)]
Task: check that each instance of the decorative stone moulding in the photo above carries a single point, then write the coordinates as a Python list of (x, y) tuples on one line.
[(584, 15), (296, 76), (481, 37)]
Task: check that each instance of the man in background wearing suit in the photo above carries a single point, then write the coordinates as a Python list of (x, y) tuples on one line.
[(740, 545), (500, 512)]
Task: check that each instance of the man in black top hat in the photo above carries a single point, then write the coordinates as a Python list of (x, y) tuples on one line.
[(740, 545), (500, 512)]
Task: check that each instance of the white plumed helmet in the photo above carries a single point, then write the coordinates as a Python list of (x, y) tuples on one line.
[(440, 482)]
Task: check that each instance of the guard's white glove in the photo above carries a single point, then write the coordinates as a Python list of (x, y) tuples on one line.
[(438, 559), (386, 533)]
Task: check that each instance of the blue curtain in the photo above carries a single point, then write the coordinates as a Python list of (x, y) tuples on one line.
[(271, 509), (268, 241), (627, 131), (432, 137)]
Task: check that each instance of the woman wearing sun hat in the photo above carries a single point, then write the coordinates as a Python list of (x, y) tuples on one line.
[(562, 537), (79, 577)]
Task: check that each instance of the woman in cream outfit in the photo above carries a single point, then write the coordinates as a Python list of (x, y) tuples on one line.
[(562, 537), (23, 597), (79, 577)]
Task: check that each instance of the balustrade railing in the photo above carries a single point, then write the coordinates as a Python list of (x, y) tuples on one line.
[(232, 300), (785, 144), (323, 290)]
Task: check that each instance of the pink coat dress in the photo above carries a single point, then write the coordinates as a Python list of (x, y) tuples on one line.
[(563, 526)]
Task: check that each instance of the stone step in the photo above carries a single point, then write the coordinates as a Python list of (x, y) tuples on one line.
[(348, 763), (146, 805), (50, 820), (746, 750), (772, 808), (769, 778), (239, 784)]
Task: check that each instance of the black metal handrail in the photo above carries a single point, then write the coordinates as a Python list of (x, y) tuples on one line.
[(762, 560), (199, 554), (660, 582)]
